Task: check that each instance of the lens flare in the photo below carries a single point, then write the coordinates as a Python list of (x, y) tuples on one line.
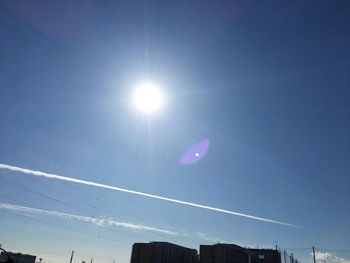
[(195, 153)]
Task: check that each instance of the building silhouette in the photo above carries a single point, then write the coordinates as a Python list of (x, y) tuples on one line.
[(162, 252), (20, 258), (267, 255), (226, 253), (231, 253)]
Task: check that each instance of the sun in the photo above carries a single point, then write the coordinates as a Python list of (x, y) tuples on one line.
[(148, 98)]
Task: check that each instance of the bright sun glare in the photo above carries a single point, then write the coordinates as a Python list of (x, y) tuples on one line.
[(148, 98)]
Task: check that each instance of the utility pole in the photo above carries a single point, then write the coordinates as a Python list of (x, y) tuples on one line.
[(285, 256), (313, 253), (91, 260), (71, 257)]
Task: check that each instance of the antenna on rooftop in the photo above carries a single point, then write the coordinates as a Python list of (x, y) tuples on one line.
[(71, 257)]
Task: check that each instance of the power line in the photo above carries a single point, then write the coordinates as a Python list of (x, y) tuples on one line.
[(108, 229), (68, 228), (123, 210), (41, 182), (18, 201), (303, 248), (334, 250), (9, 181), (70, 195), (80, 200)]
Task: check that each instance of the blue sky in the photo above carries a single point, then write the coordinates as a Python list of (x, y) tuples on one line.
[(266, 82)]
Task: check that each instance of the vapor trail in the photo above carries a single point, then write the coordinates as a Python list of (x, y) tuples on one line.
[(88, 219), (79, 181)]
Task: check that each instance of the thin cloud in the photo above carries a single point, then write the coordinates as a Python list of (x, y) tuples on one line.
[(114, 188), (93, 220), (327, 257), (111, 222), (213, 239)]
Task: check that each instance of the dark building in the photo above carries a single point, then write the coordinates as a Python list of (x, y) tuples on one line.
[(267, 255), (20, 258), (230, 253), (226, 253), (162, 252)]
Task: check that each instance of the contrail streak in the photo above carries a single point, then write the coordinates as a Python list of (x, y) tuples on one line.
[(79, 181), (93, 220)]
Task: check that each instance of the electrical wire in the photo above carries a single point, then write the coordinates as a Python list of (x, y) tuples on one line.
[(76, 198), (69, 228)]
